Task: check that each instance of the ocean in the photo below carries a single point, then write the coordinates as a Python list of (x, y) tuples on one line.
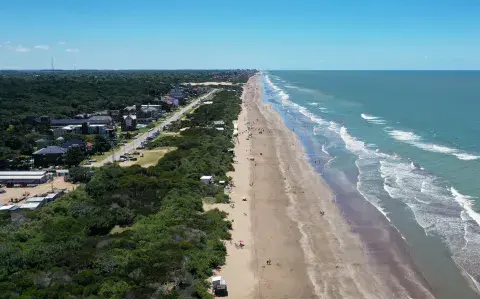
[(407, 143)]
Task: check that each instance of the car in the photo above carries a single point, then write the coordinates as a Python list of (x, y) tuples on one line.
[(2, 191), (133, 159), (92, 160)]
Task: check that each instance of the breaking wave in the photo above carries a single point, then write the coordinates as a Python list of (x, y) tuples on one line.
[(373, 119), (417, 141)]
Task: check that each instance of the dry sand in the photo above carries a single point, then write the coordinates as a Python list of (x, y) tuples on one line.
[(291, 218), (18, 192), (238, 271)]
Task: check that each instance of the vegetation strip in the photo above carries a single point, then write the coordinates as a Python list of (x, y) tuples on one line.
[(130, 232)]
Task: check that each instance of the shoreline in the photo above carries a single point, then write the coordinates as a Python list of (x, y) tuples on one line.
[(294, 219), (338, 264)]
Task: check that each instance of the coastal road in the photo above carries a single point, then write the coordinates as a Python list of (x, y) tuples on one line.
[(132, 145)]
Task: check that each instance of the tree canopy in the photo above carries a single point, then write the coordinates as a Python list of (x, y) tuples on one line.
[(130, 232), (64, 94)]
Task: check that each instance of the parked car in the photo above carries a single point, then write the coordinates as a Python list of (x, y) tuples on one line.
[(133, 159), (92, 160), (2, 191)]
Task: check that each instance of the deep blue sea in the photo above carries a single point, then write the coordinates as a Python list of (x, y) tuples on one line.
[(408, 142)]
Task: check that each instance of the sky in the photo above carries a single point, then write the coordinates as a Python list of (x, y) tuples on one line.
[(261, 34)]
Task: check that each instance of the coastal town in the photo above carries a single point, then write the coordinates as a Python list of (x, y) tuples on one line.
[(83, 139)]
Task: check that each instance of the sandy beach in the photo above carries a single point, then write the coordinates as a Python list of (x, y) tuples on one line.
[(291, 220)]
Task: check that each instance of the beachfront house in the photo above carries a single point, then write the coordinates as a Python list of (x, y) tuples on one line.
[(129, 122)]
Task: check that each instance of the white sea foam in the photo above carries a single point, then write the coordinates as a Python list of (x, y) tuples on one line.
[(373, 119), (323, 109), (368, 117), (466, 203), (329, 162), (291, 86), (281, 93), (465, 156), (313, 103), (324, 149), (417, 141), (438, 209)]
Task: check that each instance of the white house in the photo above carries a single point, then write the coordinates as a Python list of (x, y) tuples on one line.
[(207, 179)]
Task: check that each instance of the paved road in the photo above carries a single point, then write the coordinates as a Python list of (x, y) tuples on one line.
[(132, 145)]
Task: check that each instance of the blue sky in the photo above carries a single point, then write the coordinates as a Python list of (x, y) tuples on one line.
[(266, 34)]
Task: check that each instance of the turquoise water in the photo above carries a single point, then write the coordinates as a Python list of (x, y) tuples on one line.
[(408, 143)]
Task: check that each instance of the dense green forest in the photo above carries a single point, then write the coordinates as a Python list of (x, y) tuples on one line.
[(64, 94), (129, 232)]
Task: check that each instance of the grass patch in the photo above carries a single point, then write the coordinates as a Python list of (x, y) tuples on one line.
[(151, 157), (117, 229)]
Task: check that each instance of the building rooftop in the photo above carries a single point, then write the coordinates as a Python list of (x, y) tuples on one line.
[(21, 173), (131, 116), (66, 122), (23, 177), (101, 118), (74, 142), (219, 122), (9, 208), (51, 150), (206, 177), (35, 199), (30, 205)]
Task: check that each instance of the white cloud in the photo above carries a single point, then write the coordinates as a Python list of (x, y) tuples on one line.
[(62, 42), (21, 49), (72, 50), (7, 42), (42, 47)]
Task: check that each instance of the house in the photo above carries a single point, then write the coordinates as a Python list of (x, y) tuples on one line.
[(171, 100), (9, 208), (41, 201), (75, 142), (23, 177), (208, 103), (206, 179), (53, 196), (177, 93), (148, 114), (31, 205), (49, 155), (101, 120), (94, 120), (129, 122), (85, 128), (219, 122), (61, 172)]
